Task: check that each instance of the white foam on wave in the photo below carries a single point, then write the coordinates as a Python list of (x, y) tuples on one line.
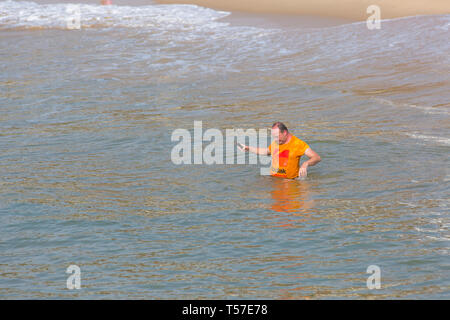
[(434, 139), (24, 14), (426, 109)]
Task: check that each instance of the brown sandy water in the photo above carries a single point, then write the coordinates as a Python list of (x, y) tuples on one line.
[(87, 179)]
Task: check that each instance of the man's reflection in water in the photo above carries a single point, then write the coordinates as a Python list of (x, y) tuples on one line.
[(291, 196)]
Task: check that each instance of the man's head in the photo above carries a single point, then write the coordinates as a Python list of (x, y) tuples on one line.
[(280, 132)]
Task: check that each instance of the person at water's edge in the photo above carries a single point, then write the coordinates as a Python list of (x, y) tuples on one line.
[(286, 151)]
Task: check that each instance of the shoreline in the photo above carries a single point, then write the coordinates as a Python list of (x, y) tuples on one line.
[(353, 10), (285, 21), (289, 14)]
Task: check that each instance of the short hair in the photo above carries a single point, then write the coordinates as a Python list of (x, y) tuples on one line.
[(280, 126)]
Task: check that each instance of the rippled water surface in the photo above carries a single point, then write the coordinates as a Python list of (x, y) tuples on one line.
[(87, 178)]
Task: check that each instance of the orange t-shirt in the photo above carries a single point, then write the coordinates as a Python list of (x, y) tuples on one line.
[(286, 158)]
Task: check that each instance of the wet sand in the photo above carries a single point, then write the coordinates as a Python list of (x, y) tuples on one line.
[(285, 21)]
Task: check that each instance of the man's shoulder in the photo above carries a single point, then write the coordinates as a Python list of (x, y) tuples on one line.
[(297, 140), (299, 144)]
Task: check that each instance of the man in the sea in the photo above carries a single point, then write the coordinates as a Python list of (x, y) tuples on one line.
[(286, 151)]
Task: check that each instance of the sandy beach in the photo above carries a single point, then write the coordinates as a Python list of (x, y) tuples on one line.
[(347, 9)]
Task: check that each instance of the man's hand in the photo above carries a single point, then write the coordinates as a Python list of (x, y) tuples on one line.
[(243, 148), (303, 172), (314, 158)]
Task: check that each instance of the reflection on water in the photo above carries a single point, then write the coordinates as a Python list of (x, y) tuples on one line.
[(86, 176), (291, 196)]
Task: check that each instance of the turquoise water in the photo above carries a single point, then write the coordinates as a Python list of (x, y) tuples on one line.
[(87, 179)]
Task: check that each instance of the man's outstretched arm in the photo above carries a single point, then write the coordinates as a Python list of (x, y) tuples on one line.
[(264, 151)]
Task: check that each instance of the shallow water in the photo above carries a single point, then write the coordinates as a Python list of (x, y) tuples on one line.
[(87, 179)]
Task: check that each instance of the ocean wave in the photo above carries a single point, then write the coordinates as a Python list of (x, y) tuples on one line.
[(30, 15)]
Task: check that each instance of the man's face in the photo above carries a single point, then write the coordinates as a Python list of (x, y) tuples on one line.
[(278, 136)]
